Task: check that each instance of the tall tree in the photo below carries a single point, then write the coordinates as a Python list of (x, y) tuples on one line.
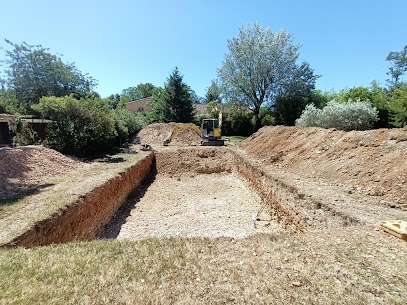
[(398, 66), (174, 103), (33, 72), (213, 93), (258, 67)]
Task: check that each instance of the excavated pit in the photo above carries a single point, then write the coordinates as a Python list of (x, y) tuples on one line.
[(216, 192), (192, 192), (195, 192)]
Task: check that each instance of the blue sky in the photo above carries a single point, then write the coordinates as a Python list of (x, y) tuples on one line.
[(122, 43)]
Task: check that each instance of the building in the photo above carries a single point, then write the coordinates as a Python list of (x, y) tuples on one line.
[(6, 120), (8, 124), (140, 105)]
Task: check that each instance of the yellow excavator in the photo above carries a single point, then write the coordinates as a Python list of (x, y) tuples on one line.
[(211, 132)]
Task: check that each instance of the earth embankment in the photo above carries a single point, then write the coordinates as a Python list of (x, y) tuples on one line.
[(370, 162)]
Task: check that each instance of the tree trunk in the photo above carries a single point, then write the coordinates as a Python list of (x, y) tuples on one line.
[(257, 122)]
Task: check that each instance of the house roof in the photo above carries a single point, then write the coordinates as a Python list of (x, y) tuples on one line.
[(141, 100), (36, 120)]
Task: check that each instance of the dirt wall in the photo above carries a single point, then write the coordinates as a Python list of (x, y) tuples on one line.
[(285, 202), (372, 161), (191, 161), (85, 218)]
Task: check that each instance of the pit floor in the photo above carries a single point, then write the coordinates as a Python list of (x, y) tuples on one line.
[(206, 205)]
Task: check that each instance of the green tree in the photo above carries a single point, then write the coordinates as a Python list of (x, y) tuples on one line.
[(213, 108), (398, 66), (237, 123), (174, 103), (33, 72), (266, 117), (258, 67), (8, 101), (213, 93), (294, 95), (138, 92), (79, 127), (398, 106), (358, 93), (157, 104), (113, 100), (319, 98), (127, 124)]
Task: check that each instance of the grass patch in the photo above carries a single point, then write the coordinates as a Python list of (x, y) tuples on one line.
[(347, 266), (236, 139), (59, 191)]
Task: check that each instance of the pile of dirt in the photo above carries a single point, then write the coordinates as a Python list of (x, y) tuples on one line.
[(32, 165), (155, 134), (371, 161), (187, 137)]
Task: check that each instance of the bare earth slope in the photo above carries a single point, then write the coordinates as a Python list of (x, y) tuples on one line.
[(371, 162)]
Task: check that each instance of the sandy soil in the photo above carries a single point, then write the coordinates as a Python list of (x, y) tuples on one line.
[(371, 162), (155, 134), (25, 169), (214, 205)]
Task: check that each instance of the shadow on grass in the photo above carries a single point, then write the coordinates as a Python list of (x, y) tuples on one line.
[(112, 229), (15, 173), (11, 193)]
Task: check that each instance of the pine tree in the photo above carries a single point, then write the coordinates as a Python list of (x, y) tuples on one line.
[(176, 100)]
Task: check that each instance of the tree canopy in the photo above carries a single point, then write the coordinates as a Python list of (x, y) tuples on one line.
[(32, 72), (398, 66), (262, 65), (213, 93), (139, 91)]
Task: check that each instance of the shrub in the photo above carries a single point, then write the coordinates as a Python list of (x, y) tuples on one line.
[(25, 135), (357, 115), (127, 124), (80, 127), (238, 123)]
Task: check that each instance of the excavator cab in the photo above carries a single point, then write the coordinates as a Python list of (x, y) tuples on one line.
[(211, 133)]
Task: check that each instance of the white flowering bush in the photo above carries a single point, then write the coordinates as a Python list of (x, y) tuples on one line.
[(357, 115)]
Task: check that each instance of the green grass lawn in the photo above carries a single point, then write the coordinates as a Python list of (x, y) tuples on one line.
[(346, 266)]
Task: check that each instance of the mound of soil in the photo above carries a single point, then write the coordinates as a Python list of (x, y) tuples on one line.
[(155, 134), (373, 161), (186, 137), (26, 167)]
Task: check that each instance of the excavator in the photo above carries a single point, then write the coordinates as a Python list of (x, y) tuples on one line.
[(210, 132)]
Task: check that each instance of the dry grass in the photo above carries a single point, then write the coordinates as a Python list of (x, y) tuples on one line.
[(17, 217), (348, 266)]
